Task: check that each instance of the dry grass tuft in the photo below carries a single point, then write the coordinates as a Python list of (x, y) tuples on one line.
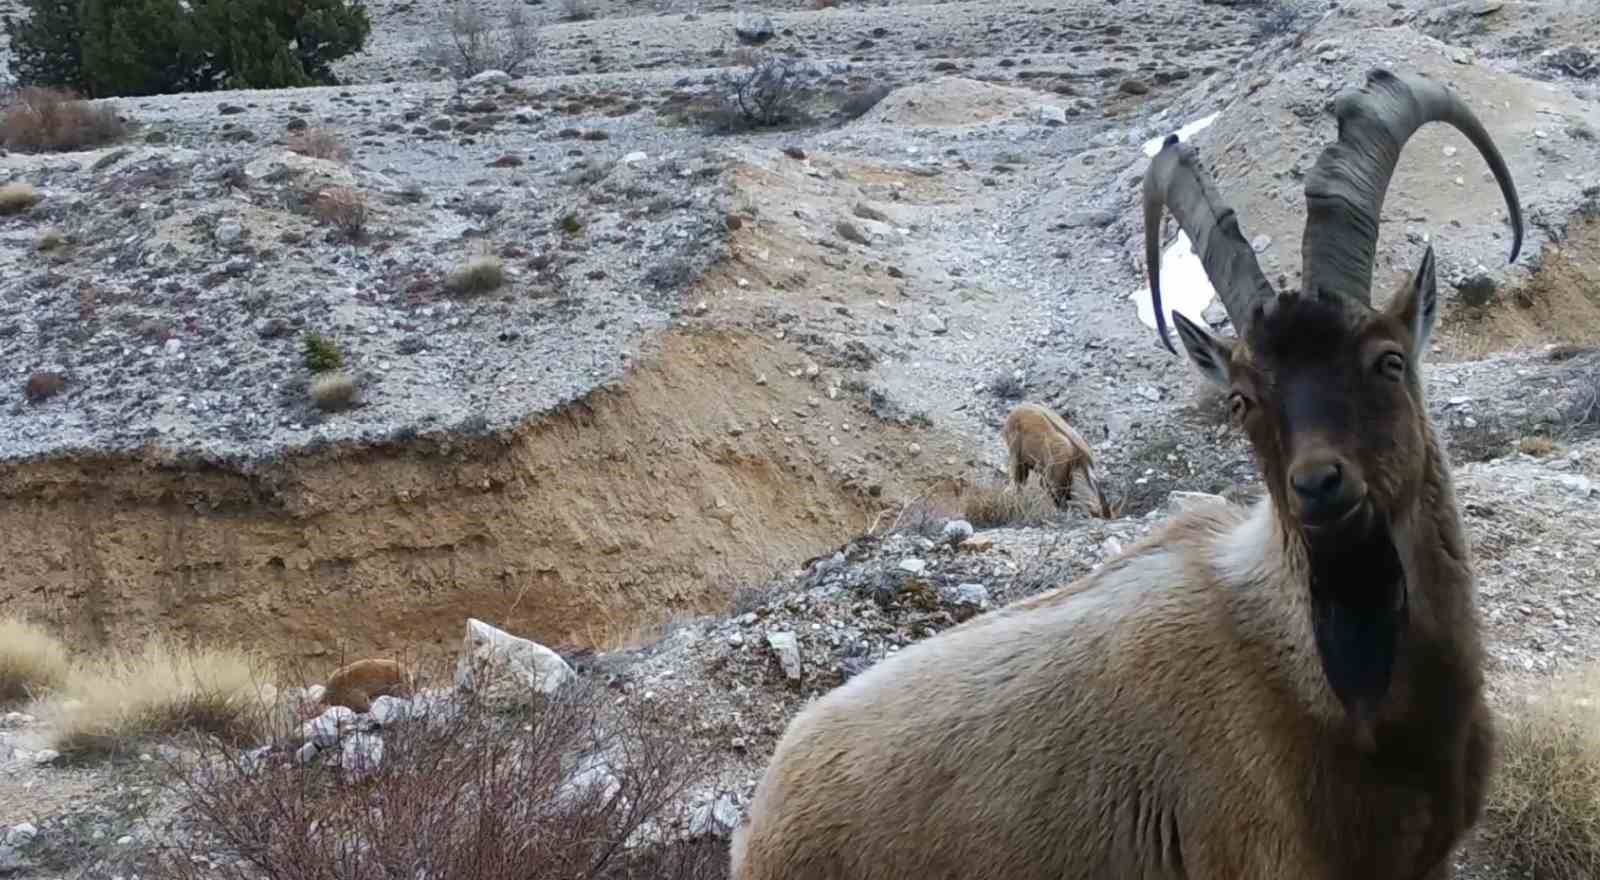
[(162, 689), (44, 119), (1543, 809), (16, 197), (344, 209), (318, 143), (333, 391), (50, 240), (481, 274), (32, 661), (998, 504), (1536, 446)]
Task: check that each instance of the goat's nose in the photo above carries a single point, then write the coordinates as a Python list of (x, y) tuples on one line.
[(1319, 483)]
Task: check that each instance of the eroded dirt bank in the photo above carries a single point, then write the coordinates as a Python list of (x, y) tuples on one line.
[(645, 499)]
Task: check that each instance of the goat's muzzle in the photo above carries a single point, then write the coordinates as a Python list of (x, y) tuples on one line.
[(1327, 493)]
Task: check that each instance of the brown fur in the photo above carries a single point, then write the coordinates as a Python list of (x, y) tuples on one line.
[(363, 681), (1037, 438), (1173, 715)]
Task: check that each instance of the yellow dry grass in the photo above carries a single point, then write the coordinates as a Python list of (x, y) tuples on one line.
[(998, 504), (1543, 809), (110, 701), (32, 660)]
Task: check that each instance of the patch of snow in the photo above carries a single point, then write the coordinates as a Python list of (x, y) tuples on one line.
[(1184, 286), (1189, 130)]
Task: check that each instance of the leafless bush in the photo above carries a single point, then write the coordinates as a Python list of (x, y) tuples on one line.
[(576, 786), (1000, 504), (344, 209), (471, 43), (577, 10), (768, 92), (43, 119), (318, 143)]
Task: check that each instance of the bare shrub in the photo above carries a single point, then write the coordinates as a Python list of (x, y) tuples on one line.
[(45, 119), (333, 391), (109, 702), (577, 10), (470, 42), (999, 504), (1543, 808), (576, 785), (318, 143), (1278, 19), (768, 92), (16, 197), (344, 209), (481, 274), (1536, 446), (1006, 385), (32, 660)]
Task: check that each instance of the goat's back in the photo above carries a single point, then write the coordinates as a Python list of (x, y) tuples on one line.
[(357, 684), (1041, 436), (1111, 728)]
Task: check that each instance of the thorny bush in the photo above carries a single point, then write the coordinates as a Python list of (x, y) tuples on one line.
[(768, 91), (584, 784)]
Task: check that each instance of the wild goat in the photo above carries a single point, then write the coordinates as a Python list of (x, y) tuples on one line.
[(357, 684), (1287, 691), (1037, 438)]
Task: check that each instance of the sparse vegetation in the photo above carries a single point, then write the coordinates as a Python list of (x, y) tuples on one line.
[(333, 391), (1537, 446), (997, 504), (318, 143), (569, 223), (470, 42), (109, 703), (320, 353), (581, 784), (481, 274), (577, 10), (32, 660), (1543, 809), (16, 197), (1277, 19), (1007, 385), (343, 208), (49, 240), (768, 91), (49, 119)]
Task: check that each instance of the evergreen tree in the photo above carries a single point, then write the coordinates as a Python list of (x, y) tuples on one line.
[(142, 47), (46, 44)]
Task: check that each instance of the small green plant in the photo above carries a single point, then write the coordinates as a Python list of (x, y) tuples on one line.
[(570, 224), (49, 240), (321, 353)]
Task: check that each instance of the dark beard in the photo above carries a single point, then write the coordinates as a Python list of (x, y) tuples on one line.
[(1358, 610)]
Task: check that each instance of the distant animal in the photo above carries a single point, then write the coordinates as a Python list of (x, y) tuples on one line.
[(1037, 438), (1288, 690), (356, 685)]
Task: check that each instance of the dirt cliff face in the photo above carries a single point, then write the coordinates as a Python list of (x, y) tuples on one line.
[(643, 500)]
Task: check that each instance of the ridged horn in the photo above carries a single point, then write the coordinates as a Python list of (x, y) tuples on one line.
[(1346, 188), (1178, 182)]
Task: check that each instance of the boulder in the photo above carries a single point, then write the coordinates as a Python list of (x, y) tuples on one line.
[(507, 669)]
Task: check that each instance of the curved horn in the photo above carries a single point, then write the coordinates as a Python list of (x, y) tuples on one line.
[(1178, 182), (1346, 188)]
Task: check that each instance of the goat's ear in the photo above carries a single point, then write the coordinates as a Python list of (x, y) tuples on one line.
[(1211, 354), (1416, 305)]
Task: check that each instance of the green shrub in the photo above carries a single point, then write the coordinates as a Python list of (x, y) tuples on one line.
[(321, 353), (146, 47)]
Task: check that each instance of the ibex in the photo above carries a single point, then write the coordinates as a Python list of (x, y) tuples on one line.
[(1289, 690), (1037, 438), (357, 684)]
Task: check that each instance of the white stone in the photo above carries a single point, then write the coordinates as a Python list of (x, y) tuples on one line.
[(387, 710), (505, 663), (490, 78), (787, 648), (957, 530), (362, 753), (324, 729), (21, 833), (1178, 502)]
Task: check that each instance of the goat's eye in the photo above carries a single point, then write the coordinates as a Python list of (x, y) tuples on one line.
[(1392, 365), (1238, 405)]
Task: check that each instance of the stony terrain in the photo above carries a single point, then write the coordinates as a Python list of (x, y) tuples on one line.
[(744, 349)]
